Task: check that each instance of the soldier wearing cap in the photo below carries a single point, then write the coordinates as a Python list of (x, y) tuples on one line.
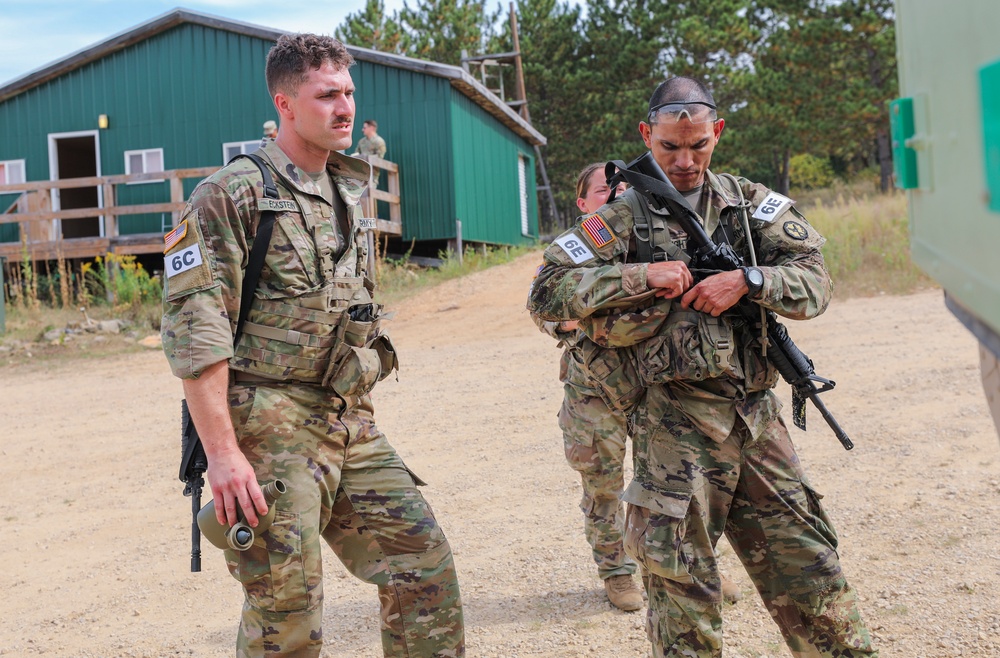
[(270, 129), (290, 399), (711, 453)]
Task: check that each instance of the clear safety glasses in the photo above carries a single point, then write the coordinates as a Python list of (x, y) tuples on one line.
[(693, 111)]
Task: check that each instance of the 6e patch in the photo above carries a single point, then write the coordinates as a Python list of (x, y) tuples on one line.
[(795, 231)]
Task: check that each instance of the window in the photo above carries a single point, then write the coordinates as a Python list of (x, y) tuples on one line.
[(144, 161), (11, 172), (522, 181), (231, 149)]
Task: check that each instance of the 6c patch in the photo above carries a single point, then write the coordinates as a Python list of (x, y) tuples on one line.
[(185, 264), (795, 231)]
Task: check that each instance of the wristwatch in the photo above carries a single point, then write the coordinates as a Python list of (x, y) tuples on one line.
[(755, 280)]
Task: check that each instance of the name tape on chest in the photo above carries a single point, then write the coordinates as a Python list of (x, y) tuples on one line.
[(277, 205), (182, 261), (575, 248), (772, 207), (366, 223)]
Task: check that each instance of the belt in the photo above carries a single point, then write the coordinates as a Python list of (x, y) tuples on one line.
[(241, 377)]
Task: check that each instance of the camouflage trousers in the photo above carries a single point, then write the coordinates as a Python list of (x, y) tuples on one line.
[(689, 490), (594, 441), (347, 486)]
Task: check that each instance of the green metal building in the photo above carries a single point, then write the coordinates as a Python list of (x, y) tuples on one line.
[(187, 90)]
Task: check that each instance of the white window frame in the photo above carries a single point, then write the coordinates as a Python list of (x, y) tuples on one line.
[(7, 166), (522, 181), (145, 153), (248, 146)]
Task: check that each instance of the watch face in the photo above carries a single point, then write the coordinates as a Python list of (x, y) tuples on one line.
[(755, 276)]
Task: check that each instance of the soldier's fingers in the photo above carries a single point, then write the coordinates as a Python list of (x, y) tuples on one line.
[(247, 504), (259, 502), (231, 515)]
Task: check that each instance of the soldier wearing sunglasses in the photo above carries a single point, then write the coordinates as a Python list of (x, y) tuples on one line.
[(711, 453)]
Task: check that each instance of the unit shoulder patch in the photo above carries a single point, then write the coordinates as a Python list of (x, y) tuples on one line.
[(772, 207), (795, 230)]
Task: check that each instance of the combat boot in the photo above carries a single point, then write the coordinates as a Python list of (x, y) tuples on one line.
[(623, 592), (730, 591)]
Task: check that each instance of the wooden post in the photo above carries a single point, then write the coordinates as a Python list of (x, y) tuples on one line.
[(110, 216), (176, 196)]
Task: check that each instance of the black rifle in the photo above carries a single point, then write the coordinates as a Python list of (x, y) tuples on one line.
[(646, 176), (194, 463)]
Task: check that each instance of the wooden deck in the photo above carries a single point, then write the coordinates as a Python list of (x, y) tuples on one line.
[(41, 235)]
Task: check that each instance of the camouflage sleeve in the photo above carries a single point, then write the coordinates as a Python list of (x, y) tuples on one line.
[(627, 328), (797, 284), (585, 270), (203, 281)]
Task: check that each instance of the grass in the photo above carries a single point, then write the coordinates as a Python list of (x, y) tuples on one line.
[(135, 302), (867, 246)]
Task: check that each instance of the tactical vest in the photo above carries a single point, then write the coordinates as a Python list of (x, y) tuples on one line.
[(330, 336), (693, 346)]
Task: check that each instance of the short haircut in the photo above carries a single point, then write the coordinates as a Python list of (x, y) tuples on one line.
[(294, 55), (371, 122), (681, 90), (583, 179)]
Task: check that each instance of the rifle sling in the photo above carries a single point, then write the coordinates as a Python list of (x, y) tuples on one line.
[(261, 243)]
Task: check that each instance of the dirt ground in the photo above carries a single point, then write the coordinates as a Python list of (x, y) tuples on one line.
[(97, 533)]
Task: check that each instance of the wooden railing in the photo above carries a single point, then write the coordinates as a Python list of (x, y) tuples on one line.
[(394, 225), (41, 235)]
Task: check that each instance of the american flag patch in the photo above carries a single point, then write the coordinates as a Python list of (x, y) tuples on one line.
[(598, 231), (175, 236)]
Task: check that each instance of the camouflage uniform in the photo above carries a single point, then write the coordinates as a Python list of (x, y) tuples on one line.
[(374, 146), (594, 441), (300, 377), (711, 452)]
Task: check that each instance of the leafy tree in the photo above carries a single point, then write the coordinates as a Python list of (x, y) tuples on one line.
[(371, 28), (439, 30)]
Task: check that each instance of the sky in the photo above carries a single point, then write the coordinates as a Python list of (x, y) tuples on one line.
[(39, 32)]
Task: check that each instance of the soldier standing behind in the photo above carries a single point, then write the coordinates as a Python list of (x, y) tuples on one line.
[(372, 143), (711, 452), (594, 434), (290, 399)]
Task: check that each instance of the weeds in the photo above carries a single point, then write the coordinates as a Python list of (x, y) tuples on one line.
[(867, 246)]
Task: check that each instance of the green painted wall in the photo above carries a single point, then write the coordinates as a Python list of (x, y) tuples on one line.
[(486, 188), (412, 111)]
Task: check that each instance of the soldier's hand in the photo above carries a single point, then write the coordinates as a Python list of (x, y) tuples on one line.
[(717, 293), (233, 483), (670, 278)]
